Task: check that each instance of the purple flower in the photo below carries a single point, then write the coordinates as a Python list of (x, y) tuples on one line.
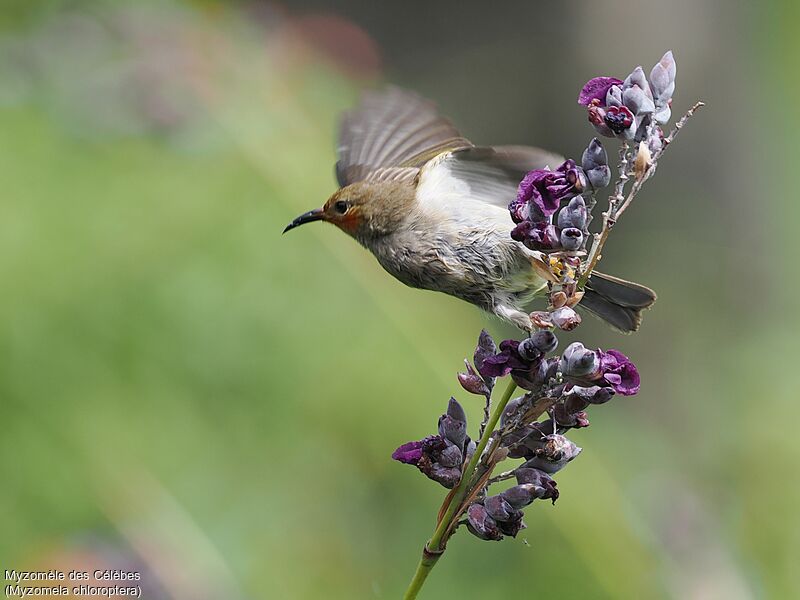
[(618, 119), (546, 190), (596, 90), (619, 372), (507, 360), (410, 453), (537, 236)]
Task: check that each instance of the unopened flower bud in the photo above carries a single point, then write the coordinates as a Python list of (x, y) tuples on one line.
[(453, 424), (447, 476), (571, 238), (544, 486), (472, 382), (578, 361), (565, 318), (456, 411), (593, 394), (662, 84), (545, 340), (594, 156), (451, 456), (573, 215), (481, 524), (498, 508), (511, 409), (520, 495), (513, 526), (528, 350)]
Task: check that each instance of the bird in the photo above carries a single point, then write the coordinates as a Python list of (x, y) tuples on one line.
[(432, 207)]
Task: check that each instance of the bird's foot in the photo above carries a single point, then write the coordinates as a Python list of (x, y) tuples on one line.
[(517, 317)]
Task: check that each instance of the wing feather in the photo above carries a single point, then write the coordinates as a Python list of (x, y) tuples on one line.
[(392, 128), (485, 174)]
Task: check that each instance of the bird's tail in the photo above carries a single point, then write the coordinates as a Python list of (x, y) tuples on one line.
[(616, 301)]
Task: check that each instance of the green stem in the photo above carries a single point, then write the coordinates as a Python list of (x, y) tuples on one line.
[(423, 568), (435, 546)]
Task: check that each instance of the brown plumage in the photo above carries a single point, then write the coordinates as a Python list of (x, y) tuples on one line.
[(432, 207)]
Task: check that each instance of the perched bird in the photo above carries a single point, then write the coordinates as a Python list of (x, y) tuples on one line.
[(433, 209)]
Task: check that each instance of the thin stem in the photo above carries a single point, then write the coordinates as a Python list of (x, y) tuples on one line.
[(424, 567), (436, 545), (436, 542)]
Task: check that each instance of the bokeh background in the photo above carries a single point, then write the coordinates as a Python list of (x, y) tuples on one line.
[(186, 392)]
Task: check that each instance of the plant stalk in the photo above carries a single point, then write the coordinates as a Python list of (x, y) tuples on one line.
[(436, 545)]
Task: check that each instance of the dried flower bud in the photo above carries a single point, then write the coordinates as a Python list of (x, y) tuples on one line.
[(643, 161), (485, 348), (554, 453), (472, 382), (565, 318), (558, 299), (481, 524)]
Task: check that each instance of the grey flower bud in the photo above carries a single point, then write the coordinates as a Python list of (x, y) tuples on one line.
[(662, 80), (453, 430), (573, 215), (498, 508), (513, 526), (578, 361), (528, 351), (637, 101), (565, 318), (571, 238), (594, 156), (520, 495), (545, 340), (544, 486), (481, 524), (447, 476), (451, 457), (470, 450), (511, 409), (593, 394), (595, 163), (455, 410), (599, 177), (614, 96)]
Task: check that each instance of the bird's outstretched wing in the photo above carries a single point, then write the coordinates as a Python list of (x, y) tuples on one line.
[(390, 134), (488, 174)]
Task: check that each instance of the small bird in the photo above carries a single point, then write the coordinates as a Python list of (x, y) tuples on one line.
[(433, 209)]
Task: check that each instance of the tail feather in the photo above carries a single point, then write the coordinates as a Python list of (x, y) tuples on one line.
[(616, 301)]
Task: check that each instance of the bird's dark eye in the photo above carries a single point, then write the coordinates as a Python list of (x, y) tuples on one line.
[(341, 207)]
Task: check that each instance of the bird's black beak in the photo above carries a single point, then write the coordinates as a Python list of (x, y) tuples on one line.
[(312, 215)]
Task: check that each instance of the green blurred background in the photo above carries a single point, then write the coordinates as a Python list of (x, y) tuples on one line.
[(186, 392)]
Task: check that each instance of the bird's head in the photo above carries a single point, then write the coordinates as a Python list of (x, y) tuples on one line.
[(363, 210)]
